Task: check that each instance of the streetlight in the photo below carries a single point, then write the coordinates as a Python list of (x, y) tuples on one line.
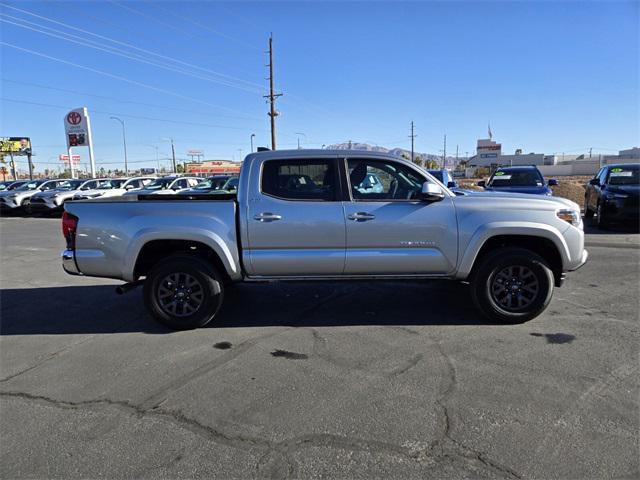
[(124, 141), (157, 159), (253, 135), (298, 134), (173, 153)]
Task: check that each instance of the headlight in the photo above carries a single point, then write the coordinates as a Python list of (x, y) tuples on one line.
[(570, 216), (611, 196)]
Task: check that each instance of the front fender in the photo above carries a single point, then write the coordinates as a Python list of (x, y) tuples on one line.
[(207, 237), (494, 229)]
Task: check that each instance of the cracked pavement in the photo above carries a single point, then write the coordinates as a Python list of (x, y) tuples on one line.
[(344, 380)]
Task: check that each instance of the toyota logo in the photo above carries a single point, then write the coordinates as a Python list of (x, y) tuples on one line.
[(74, 118)]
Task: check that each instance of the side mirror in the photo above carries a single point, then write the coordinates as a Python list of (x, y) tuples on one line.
[(594, 181), (431, 192), (482, 183), (452, 185), (553, 182), (128, 187)]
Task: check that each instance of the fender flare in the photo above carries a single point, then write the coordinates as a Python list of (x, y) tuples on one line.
[(206, 237), (494, 229)]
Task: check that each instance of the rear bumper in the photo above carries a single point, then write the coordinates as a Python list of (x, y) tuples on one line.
[(69, 262)]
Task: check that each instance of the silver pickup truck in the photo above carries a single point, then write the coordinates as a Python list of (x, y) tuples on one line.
[(308, 215)]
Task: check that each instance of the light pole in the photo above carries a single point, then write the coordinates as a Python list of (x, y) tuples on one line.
[(173, 153), (157, 158), (124, 142), (253, 135), (298, 134)]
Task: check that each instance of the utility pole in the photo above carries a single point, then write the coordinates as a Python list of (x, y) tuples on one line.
[(590, 150), (253, 135), (273, 113), (412, 137), (173, 156), (456, 164), (444, 152)]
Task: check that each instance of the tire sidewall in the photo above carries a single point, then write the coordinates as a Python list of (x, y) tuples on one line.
[(500, 260), (209, 279)]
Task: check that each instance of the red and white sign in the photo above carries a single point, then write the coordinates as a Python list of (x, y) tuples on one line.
[(65, 158), (76, 128)]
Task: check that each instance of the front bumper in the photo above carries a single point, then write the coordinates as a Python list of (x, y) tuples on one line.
[(44, 206), (620, 210), (9, 205), (69, 262), (583, 260)]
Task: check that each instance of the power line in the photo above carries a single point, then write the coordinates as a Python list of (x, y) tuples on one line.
[(120, 100), (205, 27), (125, 44), (117, 77), (119, 52), (5, 99)]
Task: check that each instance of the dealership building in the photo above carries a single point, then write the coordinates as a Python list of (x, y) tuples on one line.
[(211, 167), (489, 154)]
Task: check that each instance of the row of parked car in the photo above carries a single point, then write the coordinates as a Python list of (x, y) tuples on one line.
[(49, 195)]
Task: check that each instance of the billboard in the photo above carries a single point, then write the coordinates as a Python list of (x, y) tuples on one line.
[(15, 145)]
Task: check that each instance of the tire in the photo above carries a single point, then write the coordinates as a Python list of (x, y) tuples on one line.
[(588, 213), (183, 292), (531, 299), (601, 219)]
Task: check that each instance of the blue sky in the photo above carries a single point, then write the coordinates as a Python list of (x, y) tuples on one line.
[(549, 76)]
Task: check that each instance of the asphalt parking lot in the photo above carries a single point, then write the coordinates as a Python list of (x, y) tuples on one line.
[(349, 380)]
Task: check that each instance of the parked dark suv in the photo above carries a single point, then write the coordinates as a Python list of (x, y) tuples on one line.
[(521, 179), (612, 195)]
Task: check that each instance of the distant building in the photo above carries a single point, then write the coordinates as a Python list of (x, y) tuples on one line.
[(489, 153), (212, 166)]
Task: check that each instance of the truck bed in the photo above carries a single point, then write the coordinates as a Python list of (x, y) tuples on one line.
[(112, 231)]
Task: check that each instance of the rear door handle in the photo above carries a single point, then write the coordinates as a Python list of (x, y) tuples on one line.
[(267, 217), (361, 216)]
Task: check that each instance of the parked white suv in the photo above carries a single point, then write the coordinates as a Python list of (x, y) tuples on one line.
[(114, 187), (166, 186)]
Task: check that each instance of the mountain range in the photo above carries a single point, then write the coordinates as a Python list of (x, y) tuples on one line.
[(400, 152)]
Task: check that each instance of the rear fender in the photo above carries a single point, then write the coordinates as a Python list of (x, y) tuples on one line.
[(211, 239)]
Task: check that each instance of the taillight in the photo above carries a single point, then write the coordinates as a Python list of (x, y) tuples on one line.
[(69, 226)]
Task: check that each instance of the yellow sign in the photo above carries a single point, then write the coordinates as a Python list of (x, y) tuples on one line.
[(15, 145)]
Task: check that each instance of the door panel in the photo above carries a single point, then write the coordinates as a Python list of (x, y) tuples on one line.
[(389, 230), (303, 236), (403, 238)]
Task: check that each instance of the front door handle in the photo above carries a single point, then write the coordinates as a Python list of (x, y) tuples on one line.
[(361, 216), (267, 217)]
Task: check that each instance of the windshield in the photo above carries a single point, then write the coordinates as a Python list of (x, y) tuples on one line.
[(29, 186), (109, 184), (624, 176), (437, 174), (159, 184), (213, 183), (516, 178), (231, 184), (70, 185)]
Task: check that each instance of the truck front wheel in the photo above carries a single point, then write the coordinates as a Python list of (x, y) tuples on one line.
[(183, 292), (512, 285)]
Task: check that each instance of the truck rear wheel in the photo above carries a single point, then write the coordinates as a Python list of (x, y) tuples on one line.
[(183, 292), (512, 285)]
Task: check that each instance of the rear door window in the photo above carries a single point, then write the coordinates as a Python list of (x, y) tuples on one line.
[(299, 179)]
